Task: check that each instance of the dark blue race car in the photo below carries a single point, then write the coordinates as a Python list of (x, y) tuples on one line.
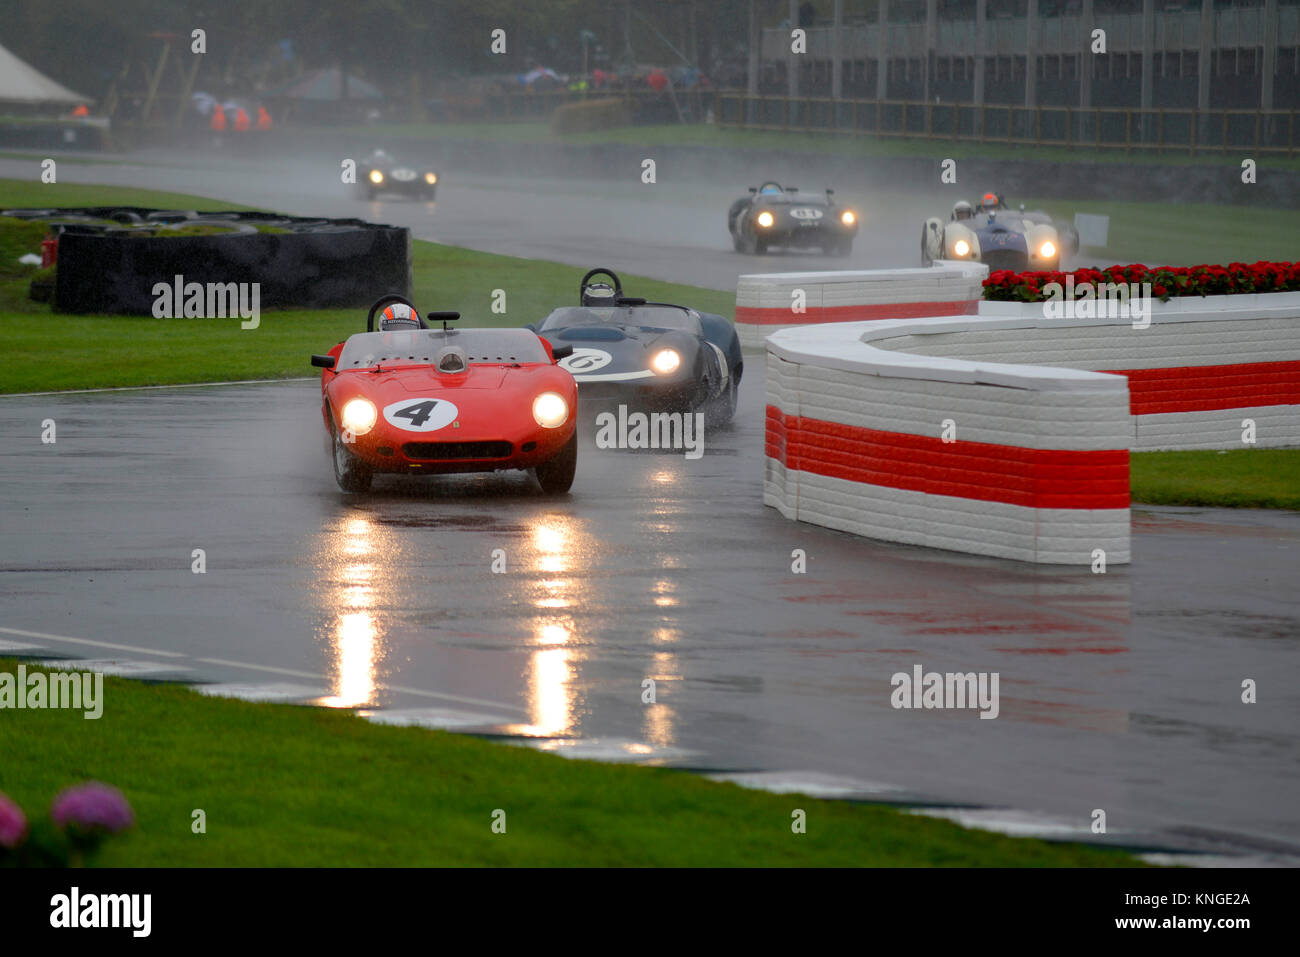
[(643, 354)]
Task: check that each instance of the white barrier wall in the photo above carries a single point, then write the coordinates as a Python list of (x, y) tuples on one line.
[(769, 302), (1008, 434)]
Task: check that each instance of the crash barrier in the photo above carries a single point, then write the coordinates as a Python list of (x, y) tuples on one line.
[(997, 434), (768, 302), (65, 133), (111, 258)]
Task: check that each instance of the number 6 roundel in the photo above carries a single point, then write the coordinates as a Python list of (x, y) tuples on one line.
[(421, 415)]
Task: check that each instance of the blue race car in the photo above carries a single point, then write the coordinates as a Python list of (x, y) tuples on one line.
[(643, 354), (994, 234)]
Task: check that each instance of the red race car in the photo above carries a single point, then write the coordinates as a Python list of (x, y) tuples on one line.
[(404, 397)]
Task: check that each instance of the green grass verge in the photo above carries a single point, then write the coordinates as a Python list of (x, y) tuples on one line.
[(1182, 234), (291, 786), (141, 350), (834, 144), (1240, 478), (23, 193)]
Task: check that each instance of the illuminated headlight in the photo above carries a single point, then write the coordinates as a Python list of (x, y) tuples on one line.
[(666, 362), (765, 219), (376, 177), (847, 217), (359, 416), (550, 410), (430, 178), (961, 247), (1047, 250)]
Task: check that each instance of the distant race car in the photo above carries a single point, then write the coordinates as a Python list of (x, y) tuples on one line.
[(646, 354), (994, 234), (381, 173), (405, 398), (776, 215)]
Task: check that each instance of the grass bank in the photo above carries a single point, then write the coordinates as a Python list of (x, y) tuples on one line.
[(291, 786), (106, 351), (1239, 478)]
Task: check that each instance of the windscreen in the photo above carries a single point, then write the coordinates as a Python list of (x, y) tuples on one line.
[(655, 317), (420, 346)]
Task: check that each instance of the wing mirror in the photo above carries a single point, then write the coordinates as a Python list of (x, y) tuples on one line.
[(323, 362), (561, 352), (753, 189), (830, 192)]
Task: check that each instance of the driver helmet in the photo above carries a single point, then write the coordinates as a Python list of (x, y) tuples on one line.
[(398, 315), (598, 294), (770, 189), (990, 202), (962, 210)]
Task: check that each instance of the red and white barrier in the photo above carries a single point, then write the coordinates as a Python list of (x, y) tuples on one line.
[(1008, 434), (770, 302), (1196, 374)]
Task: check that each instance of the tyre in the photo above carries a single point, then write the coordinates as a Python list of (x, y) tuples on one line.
[(719, 411), (737, 243), (925, 256), (349, 471), (555, 475)]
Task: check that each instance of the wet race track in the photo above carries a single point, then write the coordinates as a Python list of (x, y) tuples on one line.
[(1118, 691)]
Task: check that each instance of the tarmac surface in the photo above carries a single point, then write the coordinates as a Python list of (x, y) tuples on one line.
[(1119, 691), (675, 231)]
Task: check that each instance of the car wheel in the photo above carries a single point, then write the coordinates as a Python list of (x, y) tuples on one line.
[(737, 243), (925, 256), (720, 410), (349, 471), (555, 475)]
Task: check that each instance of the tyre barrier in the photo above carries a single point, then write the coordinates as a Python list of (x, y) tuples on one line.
[(1008, 434), (111, 257), (769, 302)]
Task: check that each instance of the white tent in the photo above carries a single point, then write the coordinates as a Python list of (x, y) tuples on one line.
[(20, 83)]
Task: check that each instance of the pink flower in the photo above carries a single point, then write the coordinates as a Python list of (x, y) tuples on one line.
[(91, 807), (13, 825)]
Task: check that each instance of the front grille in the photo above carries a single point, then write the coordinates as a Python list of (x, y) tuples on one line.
[(1006, 259), (449, 451)]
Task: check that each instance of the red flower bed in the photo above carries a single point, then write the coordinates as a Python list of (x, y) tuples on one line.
[(1003, 285)]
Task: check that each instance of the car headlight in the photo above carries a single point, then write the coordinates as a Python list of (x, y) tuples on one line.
[(376, 177), (359, 416), (765, 219), (961, 247), (847, 217), (431, 178), (1047, 250), (550, 411), (666, 362)]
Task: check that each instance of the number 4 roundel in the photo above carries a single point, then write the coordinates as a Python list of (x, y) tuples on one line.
[(421, 415)]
